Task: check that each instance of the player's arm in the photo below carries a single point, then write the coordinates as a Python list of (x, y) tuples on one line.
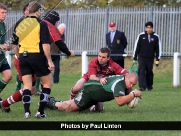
[(15, 48), (93, 77), (63, 47), (45, 39), (118, 69), (14, 42), (92, 71), (122, 100)]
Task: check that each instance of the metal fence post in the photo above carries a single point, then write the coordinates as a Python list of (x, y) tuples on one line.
[(152, 14), (106, 23), (66, 22)]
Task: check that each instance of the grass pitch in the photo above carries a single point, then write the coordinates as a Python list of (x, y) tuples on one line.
[(160, 104)]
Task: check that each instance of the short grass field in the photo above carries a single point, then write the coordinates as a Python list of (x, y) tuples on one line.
[(161, 104)]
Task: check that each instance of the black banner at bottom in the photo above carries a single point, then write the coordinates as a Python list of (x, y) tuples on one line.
[(122, 125)]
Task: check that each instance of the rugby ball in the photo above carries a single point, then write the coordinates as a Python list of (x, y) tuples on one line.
[(133, 103)]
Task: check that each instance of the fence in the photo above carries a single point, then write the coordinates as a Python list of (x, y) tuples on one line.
[(86, 28)]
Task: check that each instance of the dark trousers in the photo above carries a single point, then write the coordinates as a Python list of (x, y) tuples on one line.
[(56, 61), (145, 73), (120, 62)]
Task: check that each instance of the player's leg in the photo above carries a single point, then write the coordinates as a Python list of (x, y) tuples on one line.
[(98, 107), (67, 106), (37, 90), (26, 97), (18, 76), (16, 97), (18, 83), (77, 87), (7, 75), (47, 84)]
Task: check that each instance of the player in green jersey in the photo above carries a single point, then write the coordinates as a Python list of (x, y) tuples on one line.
[(4, 66), (117, 87)]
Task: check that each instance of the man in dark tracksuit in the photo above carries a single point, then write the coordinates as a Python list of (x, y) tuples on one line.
[(146, 46), (116, 42)]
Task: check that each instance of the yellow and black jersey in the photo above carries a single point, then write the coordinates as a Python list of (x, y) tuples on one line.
[(30, 33)]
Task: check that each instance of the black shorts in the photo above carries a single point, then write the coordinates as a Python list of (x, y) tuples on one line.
[(34, 64), (4, 67)]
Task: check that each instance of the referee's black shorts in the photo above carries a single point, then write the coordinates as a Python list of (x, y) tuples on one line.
[(34, 63)]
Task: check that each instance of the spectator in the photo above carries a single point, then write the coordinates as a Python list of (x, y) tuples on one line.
[(116, 42), (147, 45)]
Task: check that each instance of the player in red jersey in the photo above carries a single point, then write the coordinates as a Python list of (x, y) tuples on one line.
[(98, 69)]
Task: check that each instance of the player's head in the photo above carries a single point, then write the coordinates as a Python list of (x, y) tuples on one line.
[(104, 56), (34, 8), (149, 27), (52, 16), (3, 11), (25, 10), (131, 80), (112, 26)]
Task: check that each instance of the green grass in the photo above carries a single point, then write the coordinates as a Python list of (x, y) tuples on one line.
[(161, 104)]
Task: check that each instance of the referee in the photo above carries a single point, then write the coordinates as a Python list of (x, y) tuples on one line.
[(33, 37), (147, 46)]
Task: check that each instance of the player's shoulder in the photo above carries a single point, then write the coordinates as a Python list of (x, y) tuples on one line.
[(112, 63), (94, 60)]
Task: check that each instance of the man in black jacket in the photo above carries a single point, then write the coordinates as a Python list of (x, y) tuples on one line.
[(116, 42), (147, 45)]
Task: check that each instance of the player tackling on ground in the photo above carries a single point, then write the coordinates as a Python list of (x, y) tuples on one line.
[(117, 87)]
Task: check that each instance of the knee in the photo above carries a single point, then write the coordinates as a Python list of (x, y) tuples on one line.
[(7, 78)]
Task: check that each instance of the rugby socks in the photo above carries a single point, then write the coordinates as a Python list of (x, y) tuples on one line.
[(2, 85), (26, 98), (18, 83), (44, 99), (16, 97), (37, 83)]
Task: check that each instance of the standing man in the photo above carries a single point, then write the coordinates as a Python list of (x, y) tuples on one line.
[(4, 66), (56, 58), (147, 45), (116, 42), (34, 54)]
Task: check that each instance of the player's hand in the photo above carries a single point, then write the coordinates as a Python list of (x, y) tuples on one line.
[(72, 53), (5, 47), (51, 65), (137, 93), (157, 63), (103, 81)]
